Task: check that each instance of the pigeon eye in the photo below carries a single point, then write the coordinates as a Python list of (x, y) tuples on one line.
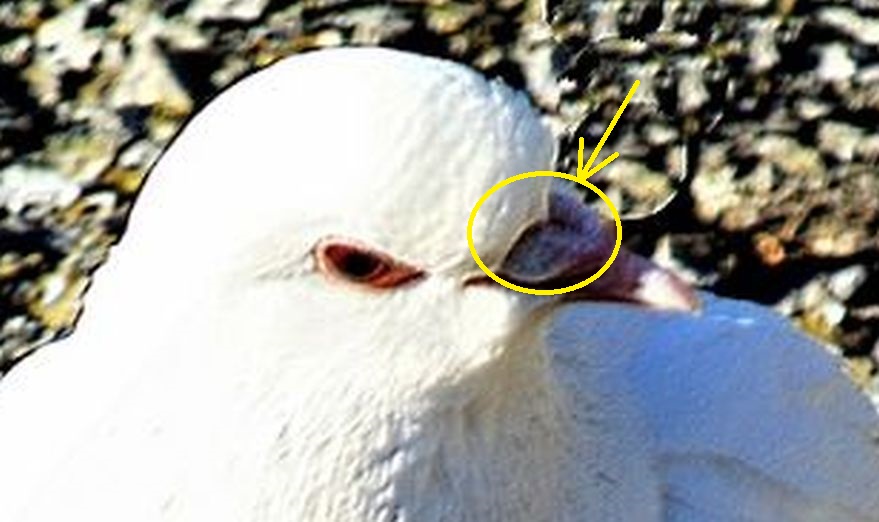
[(362, 265)]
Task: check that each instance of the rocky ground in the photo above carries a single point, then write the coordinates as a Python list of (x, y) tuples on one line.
[(750, 155)]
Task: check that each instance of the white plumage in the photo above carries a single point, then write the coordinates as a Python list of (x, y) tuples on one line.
[(223, 372)]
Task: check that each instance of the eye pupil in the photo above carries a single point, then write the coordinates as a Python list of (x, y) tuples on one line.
[(359, 265), (354, 263)]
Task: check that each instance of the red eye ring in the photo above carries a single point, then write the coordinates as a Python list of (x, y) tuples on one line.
[(362, 265)]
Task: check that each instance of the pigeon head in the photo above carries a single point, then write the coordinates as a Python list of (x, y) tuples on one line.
[(324, 202)]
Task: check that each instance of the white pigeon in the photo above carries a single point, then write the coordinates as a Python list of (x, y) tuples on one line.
[(294, 330)]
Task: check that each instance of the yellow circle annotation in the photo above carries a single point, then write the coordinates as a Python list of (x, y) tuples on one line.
[(536, 174)]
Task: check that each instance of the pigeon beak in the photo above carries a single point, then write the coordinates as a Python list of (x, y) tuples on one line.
[(573, 244)]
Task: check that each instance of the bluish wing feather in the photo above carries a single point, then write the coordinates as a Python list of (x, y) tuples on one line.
[(752, 421)]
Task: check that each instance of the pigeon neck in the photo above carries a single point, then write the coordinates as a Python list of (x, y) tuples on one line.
[(469, 453)]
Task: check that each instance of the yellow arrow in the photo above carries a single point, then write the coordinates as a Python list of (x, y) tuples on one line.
[(584, 172)]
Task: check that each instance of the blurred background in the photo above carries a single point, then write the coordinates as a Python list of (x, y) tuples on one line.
[(749, 156)]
